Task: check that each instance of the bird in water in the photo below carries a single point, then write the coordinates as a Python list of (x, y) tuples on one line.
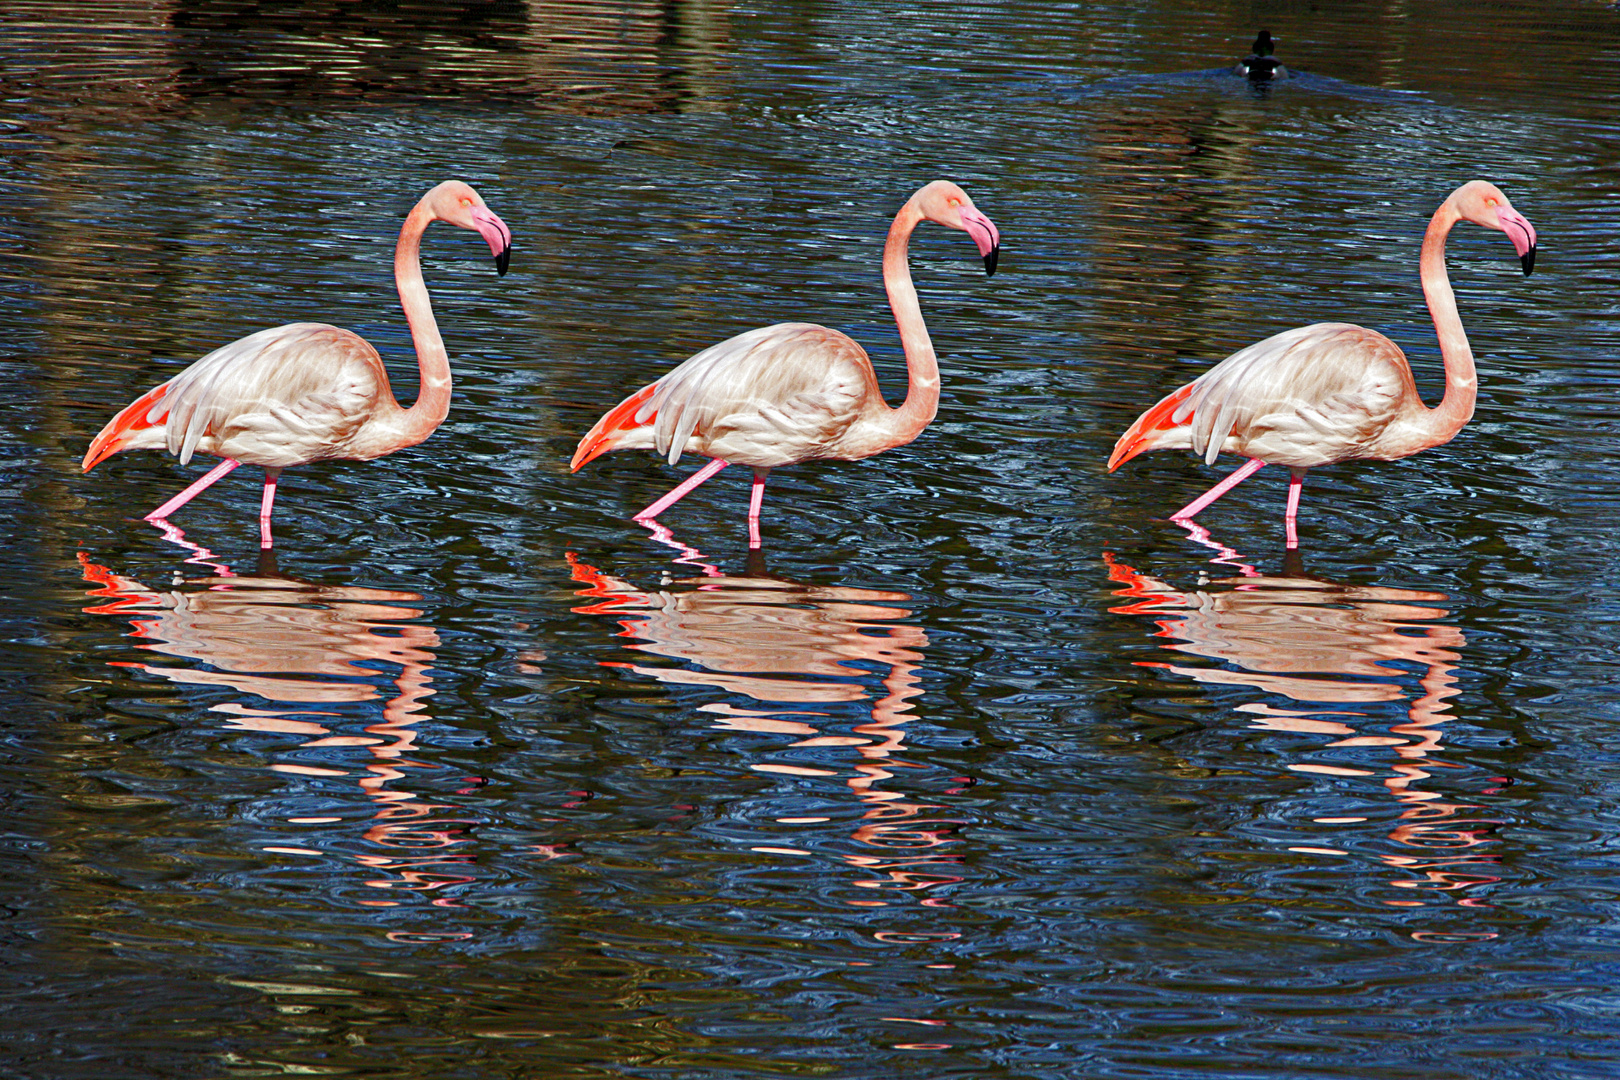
[(1260, 65), (1331, 391), (306, 391), (794, 391)]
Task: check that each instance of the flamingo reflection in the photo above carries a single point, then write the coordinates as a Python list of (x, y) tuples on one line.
[(1327, 645), (785, 647), (303, 657)]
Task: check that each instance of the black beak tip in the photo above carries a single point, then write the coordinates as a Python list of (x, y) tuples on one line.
[(1528, 261), (990, 261), (503, 260)]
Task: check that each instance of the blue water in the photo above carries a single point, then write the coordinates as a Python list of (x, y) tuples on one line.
[(981, 767)]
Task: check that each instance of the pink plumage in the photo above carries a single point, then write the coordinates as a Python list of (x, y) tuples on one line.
[(794, 391), (306, 391), (1331, 391)]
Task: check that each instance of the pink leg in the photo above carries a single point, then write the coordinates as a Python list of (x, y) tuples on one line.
[(1224, 554), (688, 554), (191, 492), (202, 557), (755, 498), (1189, 511), (686, 485), (269, 498), (1294, 486)]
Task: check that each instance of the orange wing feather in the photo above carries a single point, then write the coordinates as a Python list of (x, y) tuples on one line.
[(135, 417), (1139, 436), (620, 419)]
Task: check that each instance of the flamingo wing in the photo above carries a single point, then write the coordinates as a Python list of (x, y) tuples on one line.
[(1302, 398), (279, 397), (767, 397)]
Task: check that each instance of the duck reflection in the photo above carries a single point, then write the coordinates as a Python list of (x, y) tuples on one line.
[(305, 657), (785, 647), (1326, 644)]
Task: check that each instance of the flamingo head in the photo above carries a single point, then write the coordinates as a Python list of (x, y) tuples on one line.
[(944, 202), (1484, 204), (459, 204)]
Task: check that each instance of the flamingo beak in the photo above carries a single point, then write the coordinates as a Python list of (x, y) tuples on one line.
[(985, 235), (1521, 232), (496, 235)]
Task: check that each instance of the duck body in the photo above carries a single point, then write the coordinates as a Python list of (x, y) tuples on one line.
[(1260, 65)]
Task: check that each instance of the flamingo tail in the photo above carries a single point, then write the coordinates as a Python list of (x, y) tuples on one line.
[(135, 417), (608, 430), (1140, 436)]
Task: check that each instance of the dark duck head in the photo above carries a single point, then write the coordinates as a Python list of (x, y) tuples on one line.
[(1260, 65)]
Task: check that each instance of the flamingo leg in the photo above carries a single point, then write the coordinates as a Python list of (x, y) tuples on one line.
[(1294, 486), (680, 491), (1224, 554), (268, 499), (1248, 469), (688, 554), (755, 498), (195, 489), (201, 555)]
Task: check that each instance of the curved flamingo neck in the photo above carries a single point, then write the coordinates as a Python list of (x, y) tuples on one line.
[(433, 399), (922, 367), (1462, 382)]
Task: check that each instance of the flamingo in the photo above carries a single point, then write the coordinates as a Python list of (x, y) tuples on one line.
[(306, 391), (1260, 65), (1331, 391), (794, 391)]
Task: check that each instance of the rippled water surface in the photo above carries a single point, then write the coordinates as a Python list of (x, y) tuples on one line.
[(981, 768)]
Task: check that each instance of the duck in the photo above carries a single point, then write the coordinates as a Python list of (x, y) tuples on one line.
[(1260, 65)]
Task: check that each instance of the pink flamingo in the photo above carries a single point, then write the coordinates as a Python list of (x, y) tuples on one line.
[(306, 391), (794, 391), (1331, 391)]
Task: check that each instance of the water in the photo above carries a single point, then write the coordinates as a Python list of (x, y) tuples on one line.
[(982, 768)]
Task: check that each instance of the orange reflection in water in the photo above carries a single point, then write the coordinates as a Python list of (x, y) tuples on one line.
[(1313, 641), (296, 646), (786, 645)]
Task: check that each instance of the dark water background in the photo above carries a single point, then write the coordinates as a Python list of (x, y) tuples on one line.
[(987, 771)]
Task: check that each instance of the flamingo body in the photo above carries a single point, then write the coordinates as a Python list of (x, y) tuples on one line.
[(794, 391), (306, 392), (772, 396), (296, 393), (1305, 397), (1331, 391)]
